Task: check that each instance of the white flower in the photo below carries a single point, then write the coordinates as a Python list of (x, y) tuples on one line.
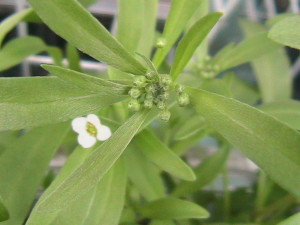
[(90, 129)]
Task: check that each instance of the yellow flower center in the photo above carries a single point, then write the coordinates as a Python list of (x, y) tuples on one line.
[(91, 129)]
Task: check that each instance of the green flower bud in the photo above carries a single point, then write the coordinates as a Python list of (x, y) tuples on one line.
[(150, 75), (183, 99), (139, 81), (161, 105), (161, 42), (165, 115), (164, 96), (165, 79), (135, 92), (134, 105), (149, 97), (179, 88), (150, 88), (148, 104)]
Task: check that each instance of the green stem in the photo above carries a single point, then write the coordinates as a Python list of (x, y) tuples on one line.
[(226, 195)]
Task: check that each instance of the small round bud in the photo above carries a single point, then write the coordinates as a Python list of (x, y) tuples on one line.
[(165, 115), (165, 79), (134, 92), (161, 42), (161, 105), (139, 81), (134, 105), (150, 88), (150, 75), (148, 104), (179, 88), (164, 96), (149, 97), (183, 99)]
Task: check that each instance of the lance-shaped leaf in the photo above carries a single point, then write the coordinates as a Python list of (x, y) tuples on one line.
[(75, 24), (206, 173), (272, 69), (173, 208), (248, 50), (4, 215), (189, 43), (293, 220), (262, 138), (162, 222), (190, 127), (90, 83), (162, 156), (31, 154), (36, 101), (180, 13), (9, 23), (73, 58), (94, 167), (287, 32), (143, 174), (286, 111), (15, 51)]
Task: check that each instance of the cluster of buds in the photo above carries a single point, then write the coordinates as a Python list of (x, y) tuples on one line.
[(207, 68)]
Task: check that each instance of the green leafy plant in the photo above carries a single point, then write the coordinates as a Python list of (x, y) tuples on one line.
[(157, 111)]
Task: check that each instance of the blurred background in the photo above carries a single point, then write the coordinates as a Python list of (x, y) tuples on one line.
[(242, 170)]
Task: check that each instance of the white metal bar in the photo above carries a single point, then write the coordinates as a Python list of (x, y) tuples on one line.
[(270, 8)]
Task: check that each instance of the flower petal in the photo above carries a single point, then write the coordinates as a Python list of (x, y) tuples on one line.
[(104, 133), (93, 119), (85, 140), (79, 124)]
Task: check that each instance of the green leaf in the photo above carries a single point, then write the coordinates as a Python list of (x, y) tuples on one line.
[(10, 22), (143, 174), (4, 215), (73, 58), (262, 138), (56, 54), (286, 111), (272, 70), (293, 220), (75, 24), (189, 43), (162, 222), (173, 209), (287, 32), (180, 13), (190, 127), (94, 167), (37, 101), (162, 156), (207, 172), (31, 154), (90, 83), (15, 51), (248, 50), (87, 3)]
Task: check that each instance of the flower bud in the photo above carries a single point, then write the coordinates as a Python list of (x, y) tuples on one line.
[(134, 105), (183, 99), (165, 79), (161, 105), (148, 104), (179, 88), (149, 96), (164, 96), (165, 115), (161, 42), (150, 75), (150, 88), (134, 92), (139, 81)]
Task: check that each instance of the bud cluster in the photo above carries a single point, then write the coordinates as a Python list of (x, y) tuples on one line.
[(207, 68), (153, 90)]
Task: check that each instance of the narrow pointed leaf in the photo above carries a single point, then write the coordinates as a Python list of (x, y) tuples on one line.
[(92, 84), (205, 173), (15, 51), (192, 39), (31, 154), (94, 167), (293, 220), (10, 22), (265, 140), (190, 127), (37, 101), (162, 156), (180, 14), (286, 111), (75, 24), (162, 222), (287, 32), (73, 58), (173, 208), (4, 215)]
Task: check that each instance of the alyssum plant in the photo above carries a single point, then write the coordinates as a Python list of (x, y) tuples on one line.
[(127, 169)]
